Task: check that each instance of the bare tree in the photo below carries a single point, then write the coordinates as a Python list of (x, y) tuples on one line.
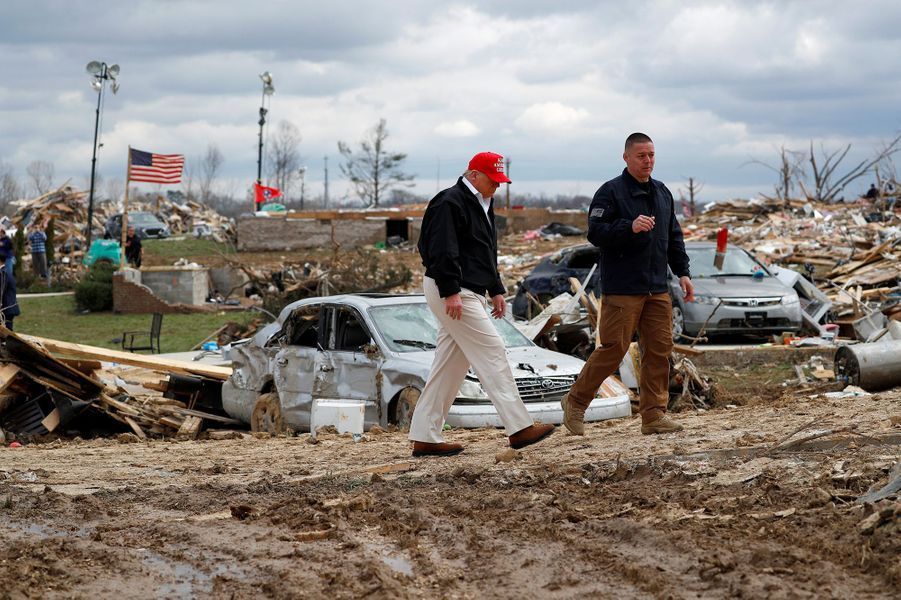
[(40, 174), (189, 179), (9, 186), (284, 156), (115, 189), (209, 168), (694, 188), (827, 183), (373, 171), (789, 169)]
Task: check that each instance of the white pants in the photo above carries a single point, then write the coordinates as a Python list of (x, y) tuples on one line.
[(472, 340)]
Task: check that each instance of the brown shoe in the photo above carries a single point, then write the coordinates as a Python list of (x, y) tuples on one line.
[(573, 416), (436, 449), (662, 425), (530, 435)]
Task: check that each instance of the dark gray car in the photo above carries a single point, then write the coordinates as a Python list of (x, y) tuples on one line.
[(146, 225)]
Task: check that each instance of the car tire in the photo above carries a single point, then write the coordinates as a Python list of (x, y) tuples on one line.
[(267, 414), (404, 407), (678, 322)]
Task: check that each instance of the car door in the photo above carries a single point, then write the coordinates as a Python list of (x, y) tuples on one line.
[(349, 365), (294, 365)]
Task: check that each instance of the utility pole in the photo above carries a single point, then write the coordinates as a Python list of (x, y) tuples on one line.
[(325, 196), (507, 169)]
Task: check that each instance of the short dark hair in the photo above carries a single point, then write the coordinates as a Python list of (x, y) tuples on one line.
[(638, 138)]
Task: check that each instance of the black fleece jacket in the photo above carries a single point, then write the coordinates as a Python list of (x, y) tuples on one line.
[(635, 263), (458, 245)]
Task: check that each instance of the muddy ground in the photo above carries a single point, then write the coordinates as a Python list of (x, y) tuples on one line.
[(727, 508)]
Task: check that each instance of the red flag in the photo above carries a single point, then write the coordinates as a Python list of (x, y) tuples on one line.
[(263, 194)]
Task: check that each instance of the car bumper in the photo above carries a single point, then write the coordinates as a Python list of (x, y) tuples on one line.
[(484, 415), (733, 319)]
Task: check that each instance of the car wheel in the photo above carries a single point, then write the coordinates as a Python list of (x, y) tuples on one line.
[(678, 323), (403, 408), (267, 414)]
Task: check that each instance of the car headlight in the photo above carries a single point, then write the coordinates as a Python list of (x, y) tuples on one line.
[(790, 300), (706, 299), (472, 390)]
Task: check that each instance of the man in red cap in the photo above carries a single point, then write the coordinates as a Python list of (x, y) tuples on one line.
[(458, 246)]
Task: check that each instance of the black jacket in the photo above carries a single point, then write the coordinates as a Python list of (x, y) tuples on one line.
[(9, 305), (635, 263), (458, 245)]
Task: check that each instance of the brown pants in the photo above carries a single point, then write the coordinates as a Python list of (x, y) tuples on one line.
[(652, 315)]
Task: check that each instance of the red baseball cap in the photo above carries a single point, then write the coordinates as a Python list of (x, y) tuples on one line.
[(490, 164)]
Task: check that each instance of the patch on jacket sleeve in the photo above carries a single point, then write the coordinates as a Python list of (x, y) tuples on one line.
[(596, 213)]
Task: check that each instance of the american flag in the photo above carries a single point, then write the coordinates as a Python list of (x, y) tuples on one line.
[(155, 168)]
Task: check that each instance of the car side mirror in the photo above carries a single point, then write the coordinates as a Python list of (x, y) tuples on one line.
[(371, 349)]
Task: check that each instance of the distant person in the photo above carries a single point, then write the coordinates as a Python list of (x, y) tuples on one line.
[(632, 220), (133, 250), (38, 241), (872, 193), (9, 304), (7, 251), (458, 246)]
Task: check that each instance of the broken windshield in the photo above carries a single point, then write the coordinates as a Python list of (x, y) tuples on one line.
[(413, 328)]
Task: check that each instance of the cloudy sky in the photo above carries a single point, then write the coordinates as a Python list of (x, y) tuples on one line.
[(556, 86)]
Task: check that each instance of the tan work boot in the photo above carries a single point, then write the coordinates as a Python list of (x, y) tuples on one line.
[(662, 425), (573, 416)]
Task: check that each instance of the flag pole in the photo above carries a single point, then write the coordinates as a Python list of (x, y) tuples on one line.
[(124, 232)]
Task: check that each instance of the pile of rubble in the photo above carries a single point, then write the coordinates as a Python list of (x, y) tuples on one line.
[(69, 210), (850, 251), (70, 389)]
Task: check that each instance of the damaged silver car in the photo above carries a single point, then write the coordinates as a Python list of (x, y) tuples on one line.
[(378, 349)]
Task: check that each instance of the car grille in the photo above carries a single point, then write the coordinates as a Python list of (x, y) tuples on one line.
[(752, 302), (544, 389), (153, 232), (750, 324)]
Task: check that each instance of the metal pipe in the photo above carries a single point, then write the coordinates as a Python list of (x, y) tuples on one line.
[(872, 367)]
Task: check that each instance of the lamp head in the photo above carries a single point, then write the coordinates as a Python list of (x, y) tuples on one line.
[(94, 67), (266, 76), (113, 71)]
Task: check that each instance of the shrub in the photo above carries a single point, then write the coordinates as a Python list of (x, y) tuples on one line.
[(95, 290)]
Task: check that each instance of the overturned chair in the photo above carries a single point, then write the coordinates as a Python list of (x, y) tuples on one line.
[(144, 340)]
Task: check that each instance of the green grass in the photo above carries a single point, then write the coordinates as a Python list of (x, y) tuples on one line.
[(184, 248), (55, 317)]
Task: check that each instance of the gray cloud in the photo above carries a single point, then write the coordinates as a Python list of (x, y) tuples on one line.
[(556, 87)]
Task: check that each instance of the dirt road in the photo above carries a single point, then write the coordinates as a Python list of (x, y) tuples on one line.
[(720, 510)]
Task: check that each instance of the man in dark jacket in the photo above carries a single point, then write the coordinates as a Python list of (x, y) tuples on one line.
[(9, 304), (458, 246), (133, 250), (632, 221)]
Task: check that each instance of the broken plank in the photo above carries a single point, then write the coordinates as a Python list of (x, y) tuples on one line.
[(384, 469), (129, 358), (8, 372), (190, 428), (688, 350), (135, 427), (189, 412)]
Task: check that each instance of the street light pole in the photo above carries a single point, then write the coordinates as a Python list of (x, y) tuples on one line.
[(268, 90), (101, 73), (302, 171)]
